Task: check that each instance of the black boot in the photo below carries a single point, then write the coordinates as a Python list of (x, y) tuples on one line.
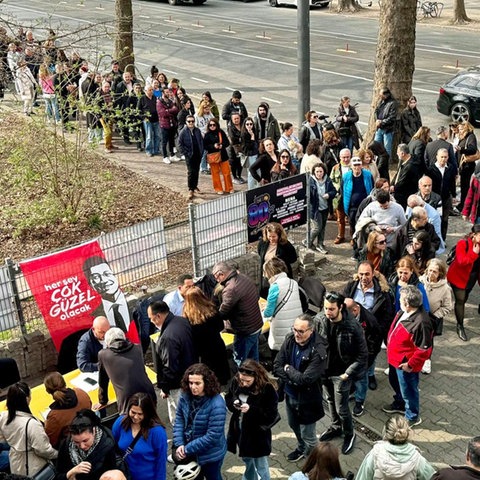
[(461, 333)]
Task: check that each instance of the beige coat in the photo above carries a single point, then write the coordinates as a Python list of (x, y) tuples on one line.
[(39, 448)]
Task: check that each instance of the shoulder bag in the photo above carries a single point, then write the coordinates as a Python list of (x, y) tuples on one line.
[(215, 157), (48, 472)]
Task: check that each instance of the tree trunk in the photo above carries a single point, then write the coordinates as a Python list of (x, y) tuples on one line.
[(124, 37), (394, 59), (350, 5), (459, 12)]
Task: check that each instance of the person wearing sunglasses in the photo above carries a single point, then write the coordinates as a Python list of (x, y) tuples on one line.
[(300, 366), (346, 362), (284, 168), (190, 143), (310, 129), (216, 141), (252, 398), (378, 253)]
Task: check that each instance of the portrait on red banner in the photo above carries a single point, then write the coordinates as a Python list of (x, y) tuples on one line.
[(72, 287)]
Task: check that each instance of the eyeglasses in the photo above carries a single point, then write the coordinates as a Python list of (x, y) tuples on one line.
[(190, 121), (284, 156), (246, 371), (314, 116), (212, 124), (249, 123), (332, 297), (300, 332), (381, 242)]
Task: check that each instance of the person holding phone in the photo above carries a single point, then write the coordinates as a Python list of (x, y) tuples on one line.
[(253, 401)]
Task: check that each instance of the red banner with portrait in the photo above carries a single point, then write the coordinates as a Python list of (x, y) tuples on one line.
[(72, 287)]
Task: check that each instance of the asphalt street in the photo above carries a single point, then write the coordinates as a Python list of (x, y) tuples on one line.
[(225, 45)]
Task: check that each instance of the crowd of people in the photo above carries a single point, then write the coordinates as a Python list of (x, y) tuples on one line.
[(399, 293)]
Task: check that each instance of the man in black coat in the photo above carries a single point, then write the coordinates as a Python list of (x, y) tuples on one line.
[(299, 366), (174, 350), (90, 343), (443, 175), (371, 290), (440, 142), (405, 181), (346, 363), (234, 105)]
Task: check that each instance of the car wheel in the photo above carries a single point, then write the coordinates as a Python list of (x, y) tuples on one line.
[(273, 3), (460, 112)]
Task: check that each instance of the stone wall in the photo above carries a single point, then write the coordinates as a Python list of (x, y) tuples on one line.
[(35, 353)]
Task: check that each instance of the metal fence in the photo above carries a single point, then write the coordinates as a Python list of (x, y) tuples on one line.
[(216, 231)]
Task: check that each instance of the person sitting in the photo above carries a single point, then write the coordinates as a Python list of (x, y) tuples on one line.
[(471, 469), (395, 453), (90, 344), (67, 402), (388, 215)]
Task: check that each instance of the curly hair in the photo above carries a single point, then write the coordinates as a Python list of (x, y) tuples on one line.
[(363, 152), (407, 262), (212, 385), (274, 227)]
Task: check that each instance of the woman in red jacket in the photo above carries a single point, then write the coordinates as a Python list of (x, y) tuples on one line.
[(463, 273)]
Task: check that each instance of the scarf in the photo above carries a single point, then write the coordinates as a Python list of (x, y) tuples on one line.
[(78, 455)]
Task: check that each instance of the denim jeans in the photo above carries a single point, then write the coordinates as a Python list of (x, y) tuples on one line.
[(405, 386), (245, 346), (336, 391), (348, 142), (256, 468), (152, 137), (306, 434), (386, 138), (251, 182), (361, 388), (203, 163), (211, 470), (51, 107)]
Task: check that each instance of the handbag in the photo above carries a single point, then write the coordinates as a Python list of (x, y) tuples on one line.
[(243, 159), (470, 158), (271, 424), (48, 472), (215, 157)]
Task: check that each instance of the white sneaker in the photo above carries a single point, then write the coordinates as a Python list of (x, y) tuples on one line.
[(174, 158), (427, 367), (166, 160)]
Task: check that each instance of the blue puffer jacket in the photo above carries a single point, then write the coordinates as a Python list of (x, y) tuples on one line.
[(347, 184), (208, 440)]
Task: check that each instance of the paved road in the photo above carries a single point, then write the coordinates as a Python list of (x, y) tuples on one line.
[(224, 45)]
